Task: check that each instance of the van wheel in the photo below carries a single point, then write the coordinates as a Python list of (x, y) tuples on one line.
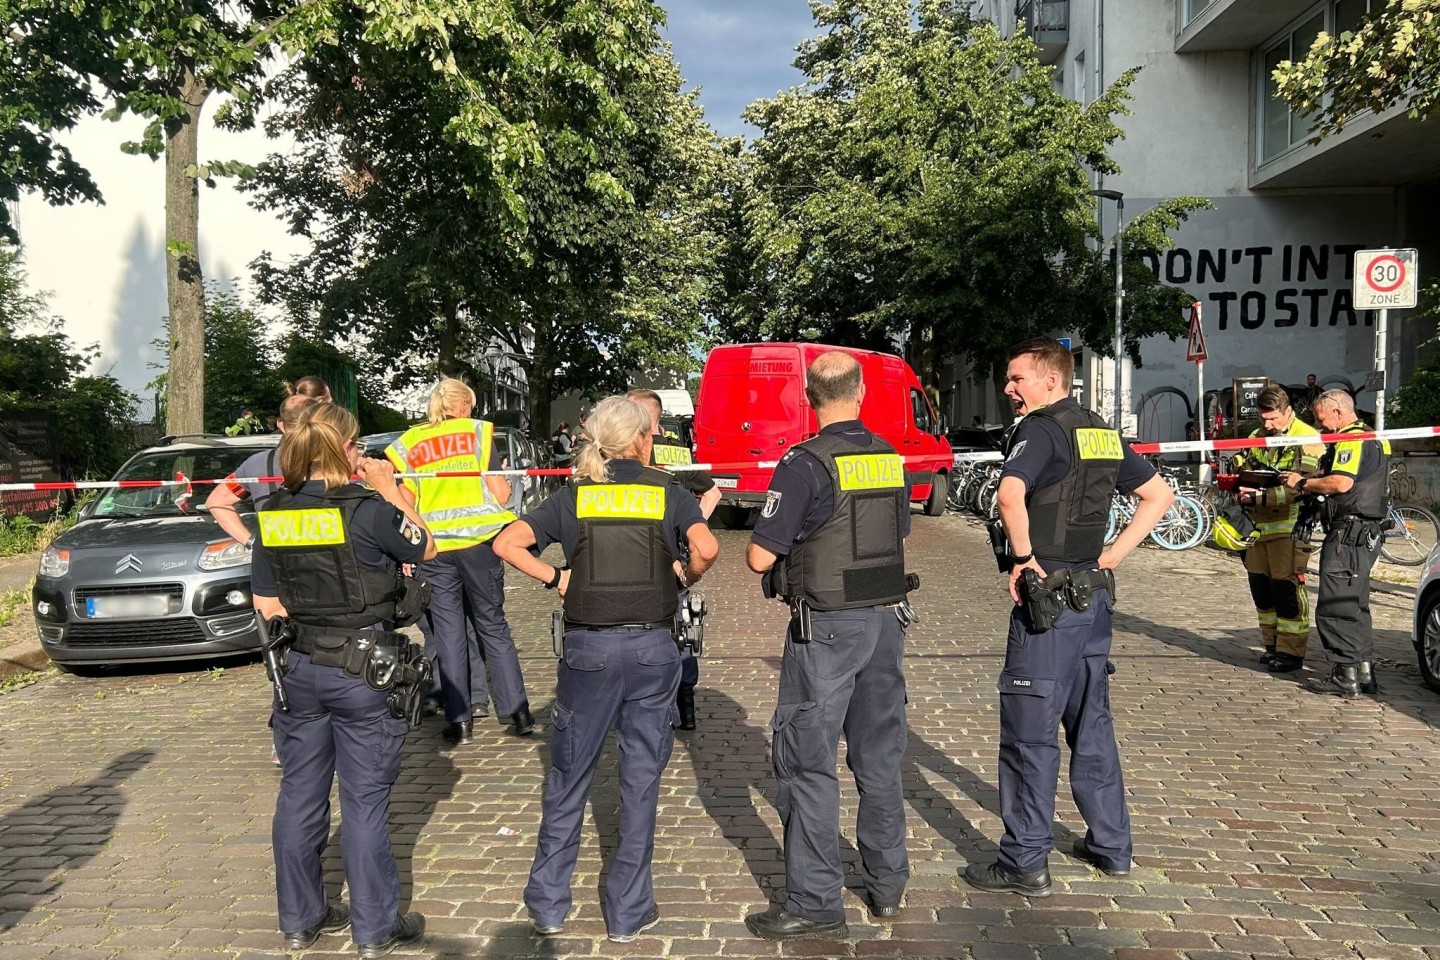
[(936, 504), (733, 518)]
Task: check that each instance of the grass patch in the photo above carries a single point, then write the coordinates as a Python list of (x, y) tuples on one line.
[(20, 535), (21, 680), (11, 602)]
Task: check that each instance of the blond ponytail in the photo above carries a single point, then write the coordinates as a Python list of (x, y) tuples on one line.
[(314, 449), (615, 426), (448, 394)]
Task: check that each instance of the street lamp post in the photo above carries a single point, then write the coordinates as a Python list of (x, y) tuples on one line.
[(1119, 198)]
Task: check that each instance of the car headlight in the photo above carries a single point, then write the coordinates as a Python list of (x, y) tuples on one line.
[(225, 554), (54, 563)]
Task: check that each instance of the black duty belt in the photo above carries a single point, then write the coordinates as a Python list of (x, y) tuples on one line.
[(666, 624), (306, 637)]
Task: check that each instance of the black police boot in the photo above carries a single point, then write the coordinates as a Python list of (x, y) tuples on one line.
[(685, 702), (1080, 850), (1268, 655), (777, 923), (407, 930), (882, 911), (524, 720), (1365, 678), (1343, 679), (1286, 663), (460, 732), (996, 879), (337, 918)]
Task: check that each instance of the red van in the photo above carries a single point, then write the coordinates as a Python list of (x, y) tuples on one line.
[(752, 408)]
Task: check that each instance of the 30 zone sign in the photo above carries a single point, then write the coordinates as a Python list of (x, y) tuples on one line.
[(1385, 279)]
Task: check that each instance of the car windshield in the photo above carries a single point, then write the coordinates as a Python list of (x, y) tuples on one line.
[(209, 463)]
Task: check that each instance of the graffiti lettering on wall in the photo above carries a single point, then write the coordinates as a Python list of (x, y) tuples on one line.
[(1292, 285)]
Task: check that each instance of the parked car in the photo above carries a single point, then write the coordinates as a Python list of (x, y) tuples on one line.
[(975, 440), (753, 408), (1427, 621), (146, 575)]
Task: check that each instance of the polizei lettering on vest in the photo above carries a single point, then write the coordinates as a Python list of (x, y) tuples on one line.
[(444, 447), (1099, 444), (317, 527), (623, 501), (870, 471)]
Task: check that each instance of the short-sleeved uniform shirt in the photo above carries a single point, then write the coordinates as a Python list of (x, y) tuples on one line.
[(554, 521), (1040, 456), (697, 482), (266, 463), (381, 534), (1356, 459), (801, 498)]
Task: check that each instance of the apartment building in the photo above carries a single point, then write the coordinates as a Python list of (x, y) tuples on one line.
[(1271, 265)]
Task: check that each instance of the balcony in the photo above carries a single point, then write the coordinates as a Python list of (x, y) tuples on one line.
[(1383, 150), (1233, 24), (1047, 22)]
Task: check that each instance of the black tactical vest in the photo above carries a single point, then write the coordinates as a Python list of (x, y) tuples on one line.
[(1369, 496), (1068, 519), (621, 569), (857, 559), (319, 579)]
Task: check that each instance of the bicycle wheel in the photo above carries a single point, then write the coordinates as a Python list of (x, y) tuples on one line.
[(1412, 538), (1182, 527), (1118, 520)]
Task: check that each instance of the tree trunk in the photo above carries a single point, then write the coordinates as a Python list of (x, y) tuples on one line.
[(449, 336), (185, 285), (542, 387), (997, 379)]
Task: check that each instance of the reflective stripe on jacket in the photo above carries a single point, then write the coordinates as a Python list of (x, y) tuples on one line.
[(461, 512), (1279, 507)]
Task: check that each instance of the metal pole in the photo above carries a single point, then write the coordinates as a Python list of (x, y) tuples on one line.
[(1381, 352), (1200, 413), (1119, 311)]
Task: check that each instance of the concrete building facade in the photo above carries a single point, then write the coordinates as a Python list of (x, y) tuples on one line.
[(1272, 264)]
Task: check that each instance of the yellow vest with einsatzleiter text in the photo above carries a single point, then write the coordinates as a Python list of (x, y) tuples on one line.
[(461, 512)]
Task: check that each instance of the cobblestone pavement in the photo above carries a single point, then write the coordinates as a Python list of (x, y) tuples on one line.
[(1270, 822)]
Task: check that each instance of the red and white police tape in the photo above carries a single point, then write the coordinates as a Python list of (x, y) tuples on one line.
[(1179, 446)]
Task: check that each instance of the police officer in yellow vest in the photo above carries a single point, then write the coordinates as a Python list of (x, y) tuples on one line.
[(327, 563), (465, 514), (830, 542), (619, 524), (668, 452), (1354, 481), (1276, 561)]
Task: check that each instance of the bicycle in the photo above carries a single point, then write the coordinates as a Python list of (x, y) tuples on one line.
[(1183, 526), (1412, 535)]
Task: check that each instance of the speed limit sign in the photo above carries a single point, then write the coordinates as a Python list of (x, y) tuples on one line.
[(1385, 279)]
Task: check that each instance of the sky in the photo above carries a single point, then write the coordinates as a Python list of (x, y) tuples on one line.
[(104, 265)]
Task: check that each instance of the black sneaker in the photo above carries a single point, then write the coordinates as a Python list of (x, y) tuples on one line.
[(1081, 851), (651, 918), (336, 918), (777, 923), (409, 929), (994, 878), (1286, 663)]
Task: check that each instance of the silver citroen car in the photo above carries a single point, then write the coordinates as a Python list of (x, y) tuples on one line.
[(147, 575), (1427, 620)]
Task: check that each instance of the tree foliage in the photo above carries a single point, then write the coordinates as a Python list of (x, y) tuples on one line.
[(929, 184), (1392, 60), (547, 207)]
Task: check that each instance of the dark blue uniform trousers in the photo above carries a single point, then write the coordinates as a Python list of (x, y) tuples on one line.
[(624, 679), (1059, 678), (848, 680), (481, 576), (479, 687), (336, 725)]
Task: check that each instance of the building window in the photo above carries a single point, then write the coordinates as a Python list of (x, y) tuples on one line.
[(1280, 127), (1193, 9)]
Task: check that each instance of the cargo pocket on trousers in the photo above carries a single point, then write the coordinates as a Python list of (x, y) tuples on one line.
[(579, 656), (834, 643), (791, 725), (390, 750), (1027, 709), (560, 752)]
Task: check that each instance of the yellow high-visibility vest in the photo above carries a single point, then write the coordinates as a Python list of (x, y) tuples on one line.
[(461, 512)]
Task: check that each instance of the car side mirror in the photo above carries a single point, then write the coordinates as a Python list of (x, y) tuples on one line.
[(86, 508)]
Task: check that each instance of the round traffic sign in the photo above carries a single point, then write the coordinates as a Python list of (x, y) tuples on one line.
[(1385, 274)]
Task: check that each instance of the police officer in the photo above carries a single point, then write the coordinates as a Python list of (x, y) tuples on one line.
[(618, 523), (1354, 480), (830, 541), (1276, 561), (327, 560), (464, 514), (1063, 464), (666, 452)]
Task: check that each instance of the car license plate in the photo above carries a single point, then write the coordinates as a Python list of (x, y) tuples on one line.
[(155, 605), (727, 483)]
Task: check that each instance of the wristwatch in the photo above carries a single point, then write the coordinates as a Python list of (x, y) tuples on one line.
[(1300, 487), (1025, 559)]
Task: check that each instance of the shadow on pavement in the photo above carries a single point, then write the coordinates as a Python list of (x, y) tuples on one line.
[(53, 834)]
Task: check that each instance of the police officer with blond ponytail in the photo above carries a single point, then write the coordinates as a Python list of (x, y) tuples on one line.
[(619, 524), (464, 514), (325, 572)]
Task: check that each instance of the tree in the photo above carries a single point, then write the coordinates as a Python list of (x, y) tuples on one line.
[(1391, 60), (928, 185), (567, 238)]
